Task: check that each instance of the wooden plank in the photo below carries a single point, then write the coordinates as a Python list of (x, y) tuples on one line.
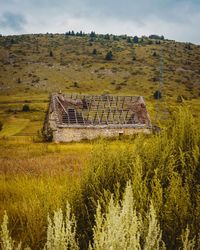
[(110, 109)]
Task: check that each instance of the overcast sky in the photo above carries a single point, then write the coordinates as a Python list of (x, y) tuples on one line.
[(175, 19)]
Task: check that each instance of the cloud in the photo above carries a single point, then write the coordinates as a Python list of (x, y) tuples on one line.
[(177, 20), (12, 21)]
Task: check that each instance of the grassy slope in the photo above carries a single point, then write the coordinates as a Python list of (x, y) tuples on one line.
[(28, 59), (73, 68)]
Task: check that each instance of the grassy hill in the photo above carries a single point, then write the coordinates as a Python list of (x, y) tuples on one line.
[(45, 63), (32, 66)]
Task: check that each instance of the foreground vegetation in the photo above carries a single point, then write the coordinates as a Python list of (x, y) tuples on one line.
[(163, 190)]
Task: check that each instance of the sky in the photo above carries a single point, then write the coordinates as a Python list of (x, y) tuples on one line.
[(175, 19)]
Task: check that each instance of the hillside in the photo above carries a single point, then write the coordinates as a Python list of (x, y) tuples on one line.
[(32, 66), (32, 63)]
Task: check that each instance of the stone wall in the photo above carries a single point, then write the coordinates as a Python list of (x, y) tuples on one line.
[(78, 134)]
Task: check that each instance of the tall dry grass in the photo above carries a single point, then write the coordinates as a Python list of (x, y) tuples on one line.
[(163, 170)]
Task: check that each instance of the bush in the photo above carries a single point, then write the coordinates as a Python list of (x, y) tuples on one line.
[(135, 39), (156, 37), (109, 56), (51, 53), (157, 95), (154, 54), (1, 125), (61, 232), (134, 58), (129, 40), (76, 85), (94, 52), (121, 227), (18, 80), (25, 108), (92, 34)]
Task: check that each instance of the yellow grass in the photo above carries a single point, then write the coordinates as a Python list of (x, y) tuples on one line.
[(13, 126)]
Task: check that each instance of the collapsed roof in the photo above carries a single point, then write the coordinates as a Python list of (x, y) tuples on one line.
[(99, 110)]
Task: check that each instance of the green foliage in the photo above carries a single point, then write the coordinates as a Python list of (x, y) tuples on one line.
[(25, 108), (109, 56), (129, 40), (92, 34), (156, 37), (157, 95), (135, 39), (94, 52), (51, 53)]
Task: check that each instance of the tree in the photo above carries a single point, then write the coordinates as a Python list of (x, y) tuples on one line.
[(25, 108), (109, 56), (18, 80), (92, 34), (129, 40), (156, 37), (134, 58), (107, 37), (51, 53), (135, 39), (157, 95), (154, 53), (94, 52)]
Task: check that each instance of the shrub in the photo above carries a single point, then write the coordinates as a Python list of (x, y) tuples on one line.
[(157, 95), (109, 56), (51, 53), (94, 52), (61, 232), (76, 85), (156, 37), (7, 242), (121, 227), (92, 34), (135, 39), (129, 40), (25, 108), (1, 125), (134, 58), (154, 54), (18, 80)]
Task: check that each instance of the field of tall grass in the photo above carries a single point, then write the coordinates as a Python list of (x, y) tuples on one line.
[(137, 193)]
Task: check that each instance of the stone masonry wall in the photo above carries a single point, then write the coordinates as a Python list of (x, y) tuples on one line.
[(78, 134)]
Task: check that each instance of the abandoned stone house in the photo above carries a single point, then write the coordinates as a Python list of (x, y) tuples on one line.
[(74, 117)]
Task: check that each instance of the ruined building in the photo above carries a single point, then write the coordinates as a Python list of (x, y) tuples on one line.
[(74, 117)]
